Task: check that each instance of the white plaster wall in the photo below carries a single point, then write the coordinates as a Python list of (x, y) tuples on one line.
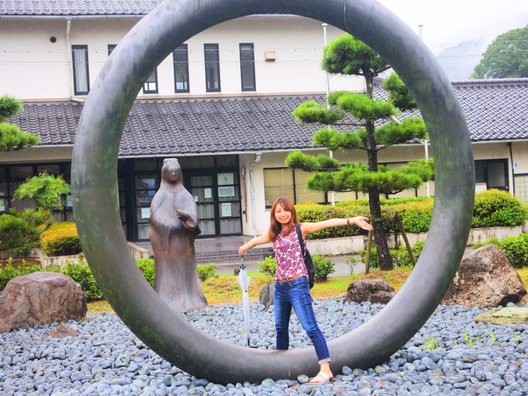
[(389, 155), (31, 67), (520, 157)]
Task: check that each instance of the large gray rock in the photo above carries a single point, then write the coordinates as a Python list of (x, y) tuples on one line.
[(266, 294), (485, 279), (40, 298), (373, 290)]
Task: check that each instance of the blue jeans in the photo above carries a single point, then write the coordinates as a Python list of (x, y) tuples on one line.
[(296, 294)]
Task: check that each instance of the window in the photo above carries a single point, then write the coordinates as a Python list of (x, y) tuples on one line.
[(247, 67), (181, 69), (521, 187), (151, 85), (111, 47), (494, 173), (212, 68), (81, 80), (12, 176), (291, 183)]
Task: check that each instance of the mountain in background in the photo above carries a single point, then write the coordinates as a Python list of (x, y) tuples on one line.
[(459, 61)]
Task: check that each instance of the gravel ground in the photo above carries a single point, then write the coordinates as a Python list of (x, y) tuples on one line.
[(450, 355)]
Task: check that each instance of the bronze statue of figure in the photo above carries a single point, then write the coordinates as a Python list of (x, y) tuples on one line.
[(173, 228)]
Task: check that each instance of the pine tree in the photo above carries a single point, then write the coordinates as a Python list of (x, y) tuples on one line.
[(349, 56), (11, 137)]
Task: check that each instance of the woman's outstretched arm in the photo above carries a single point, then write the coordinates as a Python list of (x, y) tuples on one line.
[(360, 221), (260, 240)]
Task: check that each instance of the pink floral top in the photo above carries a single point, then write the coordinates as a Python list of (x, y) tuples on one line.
[(290, 262)]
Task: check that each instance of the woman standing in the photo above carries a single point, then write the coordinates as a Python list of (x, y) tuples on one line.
[(292, 289)]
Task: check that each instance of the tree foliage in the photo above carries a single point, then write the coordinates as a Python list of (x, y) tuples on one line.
[(506, 56), (11, 137), (399, 94), (47, 190), (348, 55), (374, 128)]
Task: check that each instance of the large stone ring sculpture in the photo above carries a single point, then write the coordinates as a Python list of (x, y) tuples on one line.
[(95, 191)]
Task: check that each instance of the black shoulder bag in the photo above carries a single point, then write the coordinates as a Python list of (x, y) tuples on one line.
[(307, 258)]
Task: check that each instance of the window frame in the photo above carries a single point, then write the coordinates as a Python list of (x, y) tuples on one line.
[(86, 64), (111, 48), (212, 49), (250, 63), (184, 63), (154, 80)]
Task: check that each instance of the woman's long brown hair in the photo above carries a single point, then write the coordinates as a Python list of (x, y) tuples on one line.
[(276, 227)]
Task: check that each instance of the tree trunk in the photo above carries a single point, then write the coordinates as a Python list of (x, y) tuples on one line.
[(380, 237)]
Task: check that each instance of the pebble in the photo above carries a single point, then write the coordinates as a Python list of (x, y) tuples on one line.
[(450, 354)]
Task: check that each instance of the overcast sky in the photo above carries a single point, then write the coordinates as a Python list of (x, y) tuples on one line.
[(446, 23)]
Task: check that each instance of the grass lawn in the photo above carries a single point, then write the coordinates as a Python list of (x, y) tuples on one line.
[(225, 289)]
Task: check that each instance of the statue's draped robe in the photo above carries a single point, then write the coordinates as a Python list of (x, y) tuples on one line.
[(172, 241)]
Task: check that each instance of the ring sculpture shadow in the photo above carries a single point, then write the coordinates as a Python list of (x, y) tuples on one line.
[(95, 191)]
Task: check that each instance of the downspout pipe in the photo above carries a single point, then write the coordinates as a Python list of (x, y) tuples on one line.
[(258, 157), (512, 168), (69, 56)]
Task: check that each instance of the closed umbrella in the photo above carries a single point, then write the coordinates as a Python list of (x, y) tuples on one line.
[(243, 281)]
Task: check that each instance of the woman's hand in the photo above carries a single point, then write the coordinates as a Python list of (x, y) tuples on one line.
[(242, 250), (361, 222)]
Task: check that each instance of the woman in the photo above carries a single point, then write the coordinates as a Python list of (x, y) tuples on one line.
[(292, 289)]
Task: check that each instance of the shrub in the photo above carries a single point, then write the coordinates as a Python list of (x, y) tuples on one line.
[(9, 272), (48, 191), (17, 236), (61, 239), (268, 266), (374, 260), (401, 257), (36, 218), (323, 267), (206, 271), (495, 208), (147, 267), (516, 249), (82, 274)]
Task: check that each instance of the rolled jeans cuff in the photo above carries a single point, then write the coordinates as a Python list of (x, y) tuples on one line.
[(327, 360)]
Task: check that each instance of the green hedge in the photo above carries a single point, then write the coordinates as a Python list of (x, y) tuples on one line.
[(493, 208)]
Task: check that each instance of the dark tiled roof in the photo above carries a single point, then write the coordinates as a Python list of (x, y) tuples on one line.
[(494, 109), (185, 126), (214, 125), (76, 7)]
